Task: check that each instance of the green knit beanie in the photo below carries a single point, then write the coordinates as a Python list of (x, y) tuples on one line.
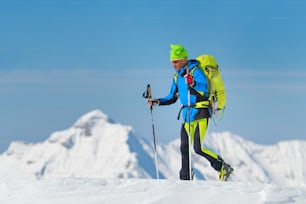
[(178, 52)]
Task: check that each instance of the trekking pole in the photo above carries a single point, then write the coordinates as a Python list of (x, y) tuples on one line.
[(189, 130), (148, 95)]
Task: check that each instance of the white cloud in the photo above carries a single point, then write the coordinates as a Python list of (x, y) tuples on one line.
[(251, 73), (292, 81), (280, 81), (49, 76)]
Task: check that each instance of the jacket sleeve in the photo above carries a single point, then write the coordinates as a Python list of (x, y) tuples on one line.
[(172, 96)]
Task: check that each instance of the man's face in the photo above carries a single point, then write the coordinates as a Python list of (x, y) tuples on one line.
[(178, 64)]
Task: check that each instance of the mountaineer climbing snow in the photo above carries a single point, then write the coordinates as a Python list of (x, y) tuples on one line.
[(193, 83)]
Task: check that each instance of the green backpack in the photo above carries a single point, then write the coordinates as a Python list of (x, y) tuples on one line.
[(216, 88)]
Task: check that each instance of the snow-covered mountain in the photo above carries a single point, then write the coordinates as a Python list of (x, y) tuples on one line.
[(97, 147)]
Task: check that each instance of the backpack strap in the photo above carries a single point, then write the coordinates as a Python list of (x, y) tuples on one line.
[(201, 104), (202, 99), (175, 78), (201, 95), (190, 72)]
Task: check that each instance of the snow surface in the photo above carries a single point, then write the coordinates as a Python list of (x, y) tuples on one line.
[(144, 191), (99, 161)]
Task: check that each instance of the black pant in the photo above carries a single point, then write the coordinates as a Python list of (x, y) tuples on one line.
[(214, 159)]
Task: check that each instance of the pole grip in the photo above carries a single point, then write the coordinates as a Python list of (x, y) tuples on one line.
[(149, 91)]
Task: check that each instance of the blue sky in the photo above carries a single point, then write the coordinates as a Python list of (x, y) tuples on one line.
[(62, 59)]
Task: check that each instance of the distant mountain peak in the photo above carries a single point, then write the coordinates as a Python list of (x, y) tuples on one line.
[(90, 120), (83, 127), (92, 117), (93, 147), (97, 147)]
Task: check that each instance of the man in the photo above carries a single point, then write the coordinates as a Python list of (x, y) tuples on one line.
[(190, 86)]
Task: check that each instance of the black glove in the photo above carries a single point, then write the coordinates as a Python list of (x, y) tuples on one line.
[(153, 102)]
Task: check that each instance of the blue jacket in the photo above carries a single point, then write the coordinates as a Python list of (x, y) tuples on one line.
[(179, 89)]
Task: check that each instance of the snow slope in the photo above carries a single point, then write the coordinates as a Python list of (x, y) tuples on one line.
[(99, 161), (145, 191)]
